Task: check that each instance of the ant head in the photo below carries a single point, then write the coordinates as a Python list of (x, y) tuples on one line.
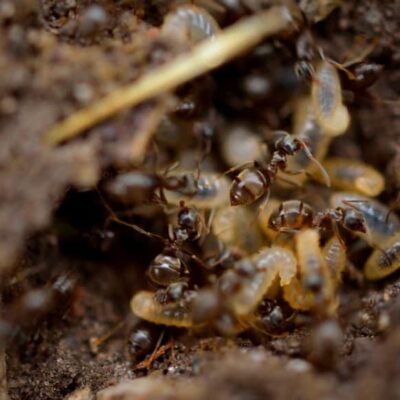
[(354, 221), (304, 70), (189, 224), (286, 143)]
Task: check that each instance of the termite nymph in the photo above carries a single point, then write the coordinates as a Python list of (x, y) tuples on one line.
[(144, 305), (334, 254), (235, 228), (240, 145), (384, 261), (306, 128), (349, 174), (257, 274), (315, 288), (326, 94)]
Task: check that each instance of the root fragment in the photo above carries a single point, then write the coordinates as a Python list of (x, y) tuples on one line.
[(206, 56)]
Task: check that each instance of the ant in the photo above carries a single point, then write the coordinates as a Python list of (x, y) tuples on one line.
[(168, 267), (34, 305), (294, 215), (255, 181), (137, 187), (140, 186)]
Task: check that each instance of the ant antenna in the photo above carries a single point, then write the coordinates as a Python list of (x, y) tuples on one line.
[(392, 208), (237, 168), (135, 227), (325, 175), (349, 203)]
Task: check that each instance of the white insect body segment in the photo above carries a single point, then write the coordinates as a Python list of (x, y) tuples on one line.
[(349, 174), (334, 255), (317, 289), (145, 306), (384, 261), (381, 225), (326, 93), (270, 263)]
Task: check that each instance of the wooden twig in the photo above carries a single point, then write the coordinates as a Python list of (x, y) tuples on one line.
[(206, 56)]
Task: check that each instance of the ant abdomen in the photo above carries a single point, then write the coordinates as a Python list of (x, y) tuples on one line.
[(142, 340), (291, 215), (247, 187), (166, 269)]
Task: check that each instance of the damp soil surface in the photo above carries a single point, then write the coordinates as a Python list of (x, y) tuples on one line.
[(57, 57)]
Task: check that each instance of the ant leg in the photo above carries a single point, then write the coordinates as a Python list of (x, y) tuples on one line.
[(301, 207), (237, 168), (157, 352), (264, 203), (362, 56), (167, 170), (253, 325), (96, 342), (393, 207), (210, 219), (350, 203), (336, 232), (288, 181), (325, 175), (113, 217)]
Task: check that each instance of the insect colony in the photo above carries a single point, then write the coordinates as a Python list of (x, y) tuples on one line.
[(239, 236), (253, 213)]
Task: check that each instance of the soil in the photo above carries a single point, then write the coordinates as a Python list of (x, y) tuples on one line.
[(59, 56)]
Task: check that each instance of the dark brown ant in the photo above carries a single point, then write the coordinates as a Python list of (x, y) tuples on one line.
[(255, 181), (359, 76), (136, 187), (142, 340), (169, 266), (34, 305), (306, 53), (294, 215)]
